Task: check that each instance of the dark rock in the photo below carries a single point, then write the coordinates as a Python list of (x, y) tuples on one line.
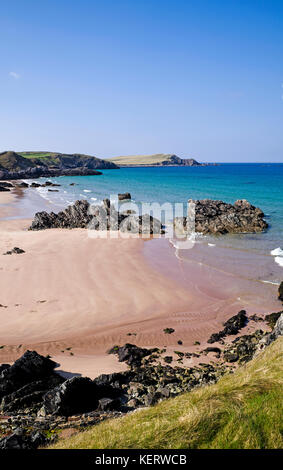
[(76, 395), (152, 398), (131, 354), (53, 190), (109, 404), (168, 359), (124, 196), (4, 367), (30, 394), (280, 292), (243, 348), (15, 250), (217, 351), (108, 383), (272, 318), (4, 189), (4, 184), (28, 368), (38, 172), (35, 185), (218, 217), (83, 215), (23, 185), (17, 440), (276, 332), (231, 327), (168, 331)]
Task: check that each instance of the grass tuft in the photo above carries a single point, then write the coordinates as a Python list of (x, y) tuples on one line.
[(243, 410)]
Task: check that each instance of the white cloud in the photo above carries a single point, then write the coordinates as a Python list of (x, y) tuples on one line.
[(15, 75)]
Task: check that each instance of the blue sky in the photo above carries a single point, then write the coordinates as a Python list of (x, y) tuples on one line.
[(198, 78)]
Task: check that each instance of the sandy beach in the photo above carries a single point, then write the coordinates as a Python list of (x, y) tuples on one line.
[(74, 297)]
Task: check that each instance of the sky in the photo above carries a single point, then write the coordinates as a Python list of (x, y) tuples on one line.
[(197, 78)]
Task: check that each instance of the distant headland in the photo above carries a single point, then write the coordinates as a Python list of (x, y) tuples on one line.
[(158, 159), (36, 164)]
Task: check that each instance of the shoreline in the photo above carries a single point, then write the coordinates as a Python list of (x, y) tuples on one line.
[(117, 287)]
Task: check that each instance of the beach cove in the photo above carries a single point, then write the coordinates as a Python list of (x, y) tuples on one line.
[(74, 297)]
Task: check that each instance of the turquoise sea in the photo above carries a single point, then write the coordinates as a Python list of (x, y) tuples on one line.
[(261, 184)]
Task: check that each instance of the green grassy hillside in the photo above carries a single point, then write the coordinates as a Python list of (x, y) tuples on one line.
[(13, 161), (243, 410)]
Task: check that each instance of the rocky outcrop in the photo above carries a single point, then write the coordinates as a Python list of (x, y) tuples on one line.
[(73, 396), (15, 166), (231, 327), (15, 250), (131, 354), (37, 172), (218, 217), (83, 215), (243, 348), (124, 196), (280, 292), (31, 367)]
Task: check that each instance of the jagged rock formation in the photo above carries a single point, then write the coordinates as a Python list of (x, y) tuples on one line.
[(84, 215), (280, 292), (231, 327), (218, 217)]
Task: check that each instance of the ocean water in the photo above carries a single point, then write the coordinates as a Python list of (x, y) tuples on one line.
[(261, 184)]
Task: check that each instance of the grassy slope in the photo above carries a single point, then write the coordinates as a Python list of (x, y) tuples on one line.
[(35, 154), (141, 159), (243, 410)]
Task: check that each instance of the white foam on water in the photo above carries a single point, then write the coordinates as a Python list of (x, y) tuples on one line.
[(279, 260), (93, 198), (211, 244), (277, 252), (271, 282), (87, 190)]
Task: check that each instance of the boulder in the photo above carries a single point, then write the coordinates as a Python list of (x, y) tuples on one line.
[(131, 354), (4, 189), (109, 404), (218, 217), (15, 250), (231, 327), (5, 184), (28, 368), (280, 292), (29, 395), (243, 348), (75, 395), (124, 196)]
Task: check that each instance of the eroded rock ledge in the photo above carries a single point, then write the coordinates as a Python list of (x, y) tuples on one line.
[(218, 217)]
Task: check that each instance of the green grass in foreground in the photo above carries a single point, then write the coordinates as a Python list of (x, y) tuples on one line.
[(243, 410)]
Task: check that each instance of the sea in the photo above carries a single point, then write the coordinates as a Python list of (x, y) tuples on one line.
[(251, 256)]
